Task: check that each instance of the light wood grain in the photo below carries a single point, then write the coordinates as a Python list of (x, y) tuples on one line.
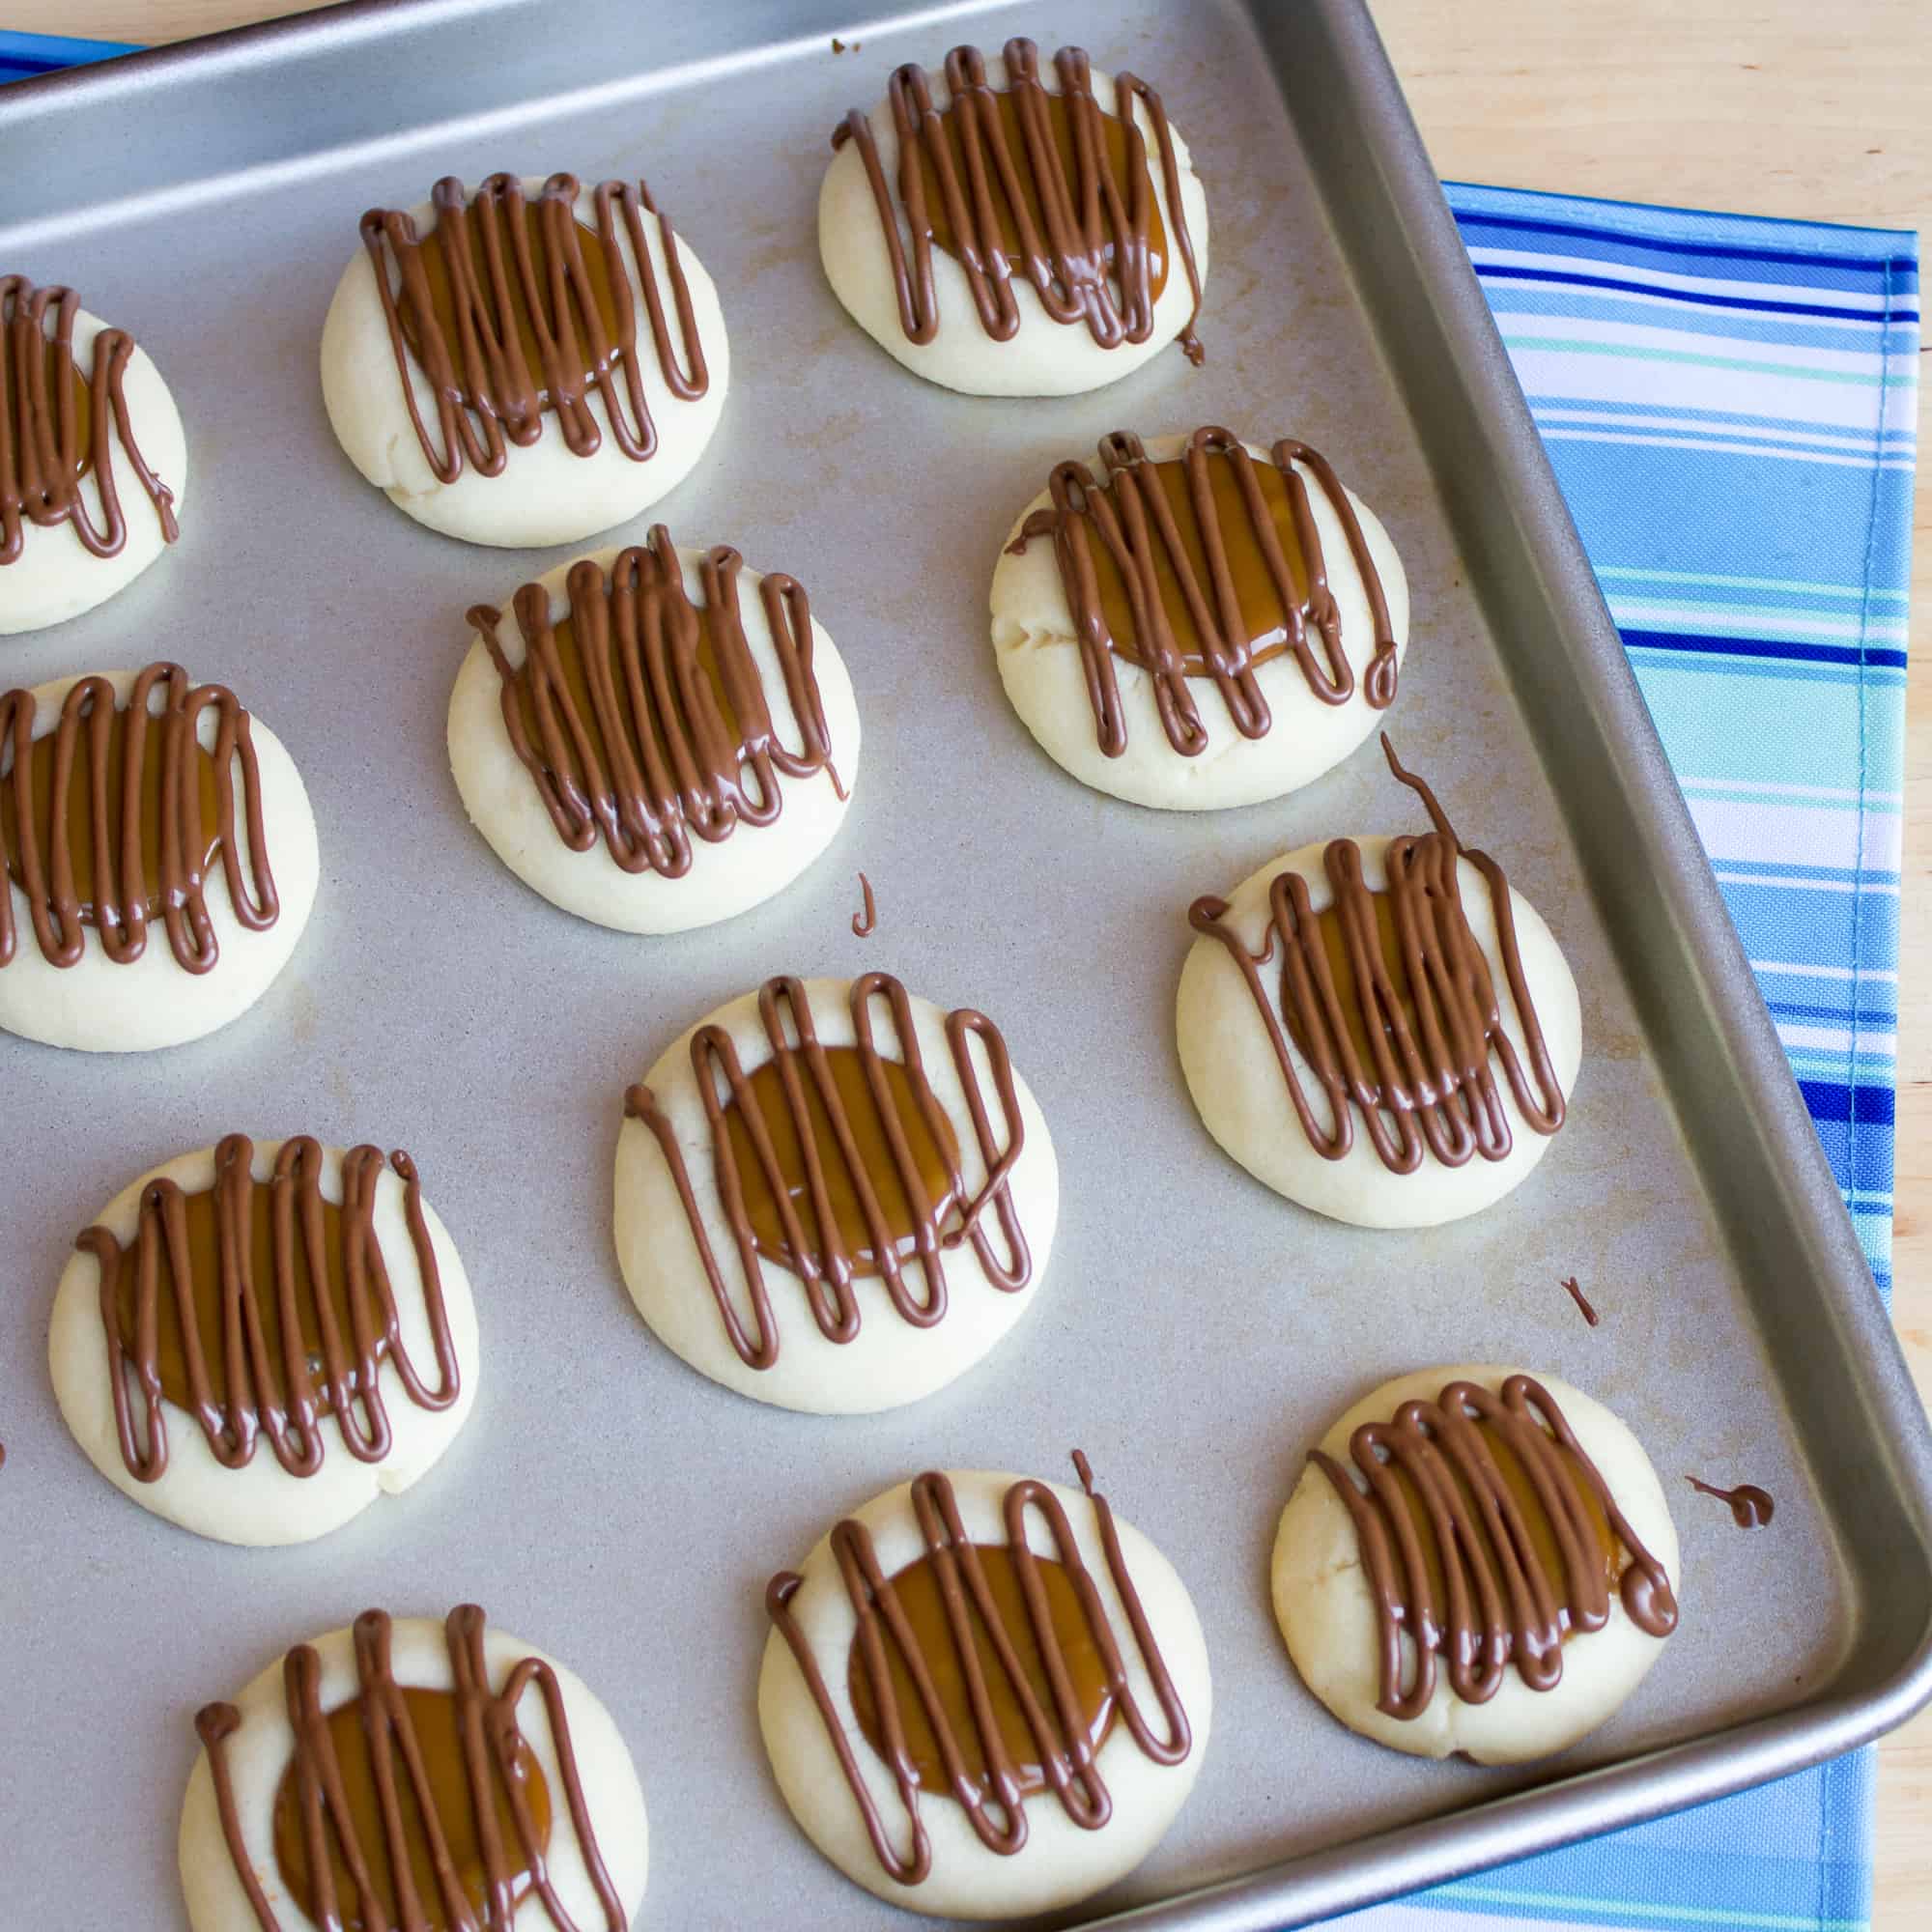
[(1770, 107)]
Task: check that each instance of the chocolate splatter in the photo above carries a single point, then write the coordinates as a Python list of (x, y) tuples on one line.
[(1750, 1507)]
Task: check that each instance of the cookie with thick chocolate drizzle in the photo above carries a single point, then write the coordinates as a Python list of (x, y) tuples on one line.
[(1476, 1560), (655, 737), (984, 1695), (1014, 225), (93, 459), (1195, 621), (157, 859), (405, 1776), (260, 1340), (1381, 1029), (527, 361), (832, 1195)]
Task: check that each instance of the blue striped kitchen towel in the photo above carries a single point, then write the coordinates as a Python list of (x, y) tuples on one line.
[(24, 55), (1729, 403)]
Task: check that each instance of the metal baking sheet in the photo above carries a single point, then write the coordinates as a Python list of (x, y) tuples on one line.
[(605, 1501)]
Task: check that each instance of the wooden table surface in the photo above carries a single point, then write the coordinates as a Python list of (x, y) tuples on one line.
[(1767, 107)]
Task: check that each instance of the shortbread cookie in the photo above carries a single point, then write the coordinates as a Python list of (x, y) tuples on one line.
[(93, 461), (1096, 1697), (285, 1824), (655, 738), (1203, 623), (525, 365), (1517, 1522), (112, 941), (969, 225), (1381, 1029), (180, 1374), (833, 1196)]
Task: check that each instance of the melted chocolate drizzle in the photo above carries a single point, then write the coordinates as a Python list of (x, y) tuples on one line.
[(1750, 1507), (656, 758), (1582, 1301), (1503, 1606), (121, 892), (1431, 1087), (491, 1742), (265, 1397), (42, 461), (1092, 264), (825, 1268), (994, 1806), (487, 392), (866, 921), (1134, 521)]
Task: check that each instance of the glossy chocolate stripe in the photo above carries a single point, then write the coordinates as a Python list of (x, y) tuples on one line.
[(121, 893), (825, 1265), (976, 1682), (259, 1395), (648, 720), (57, 427), (1222, 569), (1091, 255), (994, 1802), (497, 288), (495, 1760), (1428, 1086), (1503, 1601)]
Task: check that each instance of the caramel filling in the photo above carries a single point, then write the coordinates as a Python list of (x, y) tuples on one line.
[(642, 726), (506, 294), (919, 1597), (1540, 1533), (432, 1717), (1353, 997), (1120, 168), (1264, 624), (81, 410), (199, 838), (201, 1218), (871, 1134)]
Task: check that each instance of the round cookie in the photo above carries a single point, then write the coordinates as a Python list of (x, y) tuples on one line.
[(522, 471), (63, 986), (1251, 1064), (430, 1678), (695, 850), (1078, 637), (1327, 1604), (312, 1480), (939, 1235), (1001, 336), (70, 541), (825, 1743)]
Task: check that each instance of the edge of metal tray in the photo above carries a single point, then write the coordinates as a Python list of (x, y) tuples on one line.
[(287, 100)]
